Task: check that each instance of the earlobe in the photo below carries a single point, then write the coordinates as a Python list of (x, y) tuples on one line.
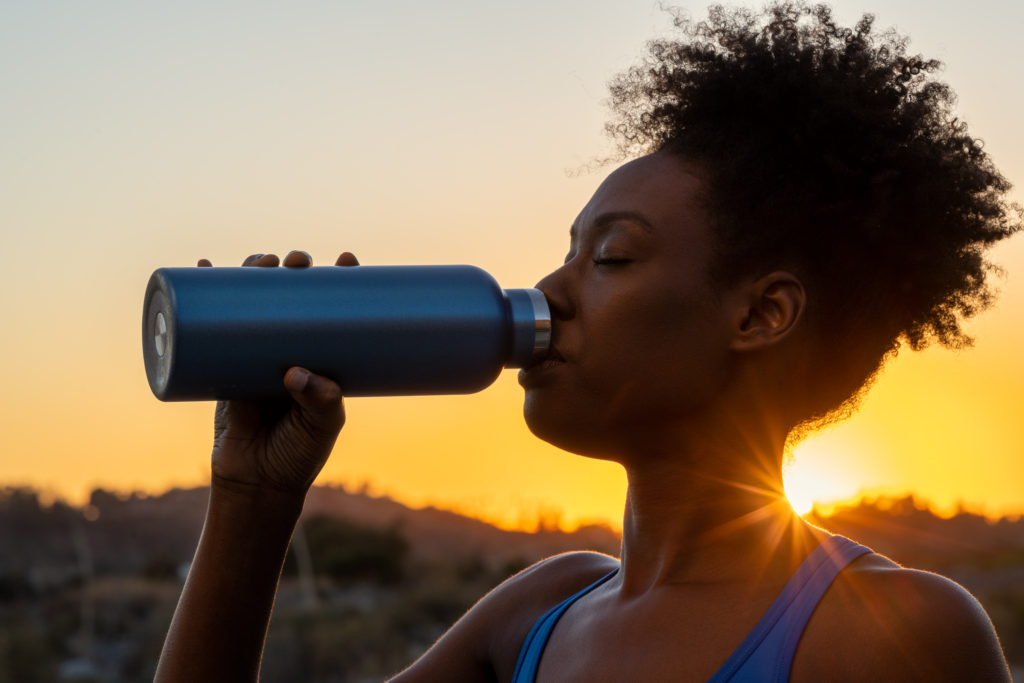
[(770, 310)]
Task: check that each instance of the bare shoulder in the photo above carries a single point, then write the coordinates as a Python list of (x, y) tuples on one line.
[(880, 621), (514, 605), (484, 644), (559, 573)]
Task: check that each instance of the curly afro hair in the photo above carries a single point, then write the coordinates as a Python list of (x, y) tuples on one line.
[(831, 152)]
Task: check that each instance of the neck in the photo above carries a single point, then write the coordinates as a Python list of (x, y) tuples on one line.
[(709, 515)]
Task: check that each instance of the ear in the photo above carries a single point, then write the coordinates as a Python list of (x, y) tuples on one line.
[(769, 309)]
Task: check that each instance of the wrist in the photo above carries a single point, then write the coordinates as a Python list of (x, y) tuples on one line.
[(254, 502), (221, 620)]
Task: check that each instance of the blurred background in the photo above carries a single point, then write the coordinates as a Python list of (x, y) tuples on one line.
[(140, 135)]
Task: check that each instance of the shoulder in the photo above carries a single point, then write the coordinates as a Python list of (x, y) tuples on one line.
[(515, 605), (485, 642), (555, 575), (880, 621)]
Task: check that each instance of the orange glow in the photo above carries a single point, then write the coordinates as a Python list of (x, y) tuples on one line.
[(126, 153)]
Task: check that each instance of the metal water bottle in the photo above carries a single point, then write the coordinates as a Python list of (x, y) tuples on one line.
[(213, 333)]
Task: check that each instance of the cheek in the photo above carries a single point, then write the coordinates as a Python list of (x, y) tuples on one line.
[(665, 355)]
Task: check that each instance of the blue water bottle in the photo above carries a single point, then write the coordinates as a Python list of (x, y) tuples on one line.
[(217, 333)]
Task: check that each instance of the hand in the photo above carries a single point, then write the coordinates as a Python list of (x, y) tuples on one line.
[(279, 444)]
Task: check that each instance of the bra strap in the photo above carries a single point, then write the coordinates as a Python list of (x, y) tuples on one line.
[(537, 639)]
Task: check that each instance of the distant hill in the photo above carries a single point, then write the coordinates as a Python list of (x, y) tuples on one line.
[(905, 530), (433, 533), (119, 535), (122, 534)]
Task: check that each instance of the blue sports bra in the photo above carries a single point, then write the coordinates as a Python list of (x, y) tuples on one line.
[(766, 655)]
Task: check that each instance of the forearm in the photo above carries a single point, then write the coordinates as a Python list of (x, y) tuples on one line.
[(221, 620)]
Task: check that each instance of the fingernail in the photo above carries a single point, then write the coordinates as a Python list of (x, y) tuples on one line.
[(297, 258), (297, 379)]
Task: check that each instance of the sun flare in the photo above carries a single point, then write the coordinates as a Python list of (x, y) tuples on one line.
[(800, 488), (801, 501)]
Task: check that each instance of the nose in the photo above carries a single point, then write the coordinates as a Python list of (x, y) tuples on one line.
[(557, 290)]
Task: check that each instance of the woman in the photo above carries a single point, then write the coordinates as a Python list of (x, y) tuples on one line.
[(805, 203)]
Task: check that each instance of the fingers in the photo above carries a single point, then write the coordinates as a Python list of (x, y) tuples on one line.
[(297, 259), (263, 260), (347, 258), (294, 259)]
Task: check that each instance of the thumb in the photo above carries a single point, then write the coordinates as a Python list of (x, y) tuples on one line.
[(319, 397)]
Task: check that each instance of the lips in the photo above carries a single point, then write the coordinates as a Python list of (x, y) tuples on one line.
[(537, 367), (552, 356)]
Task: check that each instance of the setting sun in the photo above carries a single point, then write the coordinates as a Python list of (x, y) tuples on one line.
[(800, 500)]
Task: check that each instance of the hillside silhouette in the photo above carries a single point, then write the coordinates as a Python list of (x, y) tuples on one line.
[(127, 534), (86, 594)]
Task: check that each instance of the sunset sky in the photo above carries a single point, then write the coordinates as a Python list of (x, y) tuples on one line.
[(137, 135)]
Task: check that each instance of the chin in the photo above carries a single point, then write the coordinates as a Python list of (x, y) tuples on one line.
[(570, 432)]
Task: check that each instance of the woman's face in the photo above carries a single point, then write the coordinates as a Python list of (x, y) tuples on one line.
[(640, 343)]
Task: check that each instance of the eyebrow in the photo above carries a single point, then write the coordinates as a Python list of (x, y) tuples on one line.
[(607, 218)]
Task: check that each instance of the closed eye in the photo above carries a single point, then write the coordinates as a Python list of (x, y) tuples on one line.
[(612, 261)]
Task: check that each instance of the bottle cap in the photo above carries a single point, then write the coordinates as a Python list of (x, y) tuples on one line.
[(531, 326)]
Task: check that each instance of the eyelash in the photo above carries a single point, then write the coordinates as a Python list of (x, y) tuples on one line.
[(603, 261)]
